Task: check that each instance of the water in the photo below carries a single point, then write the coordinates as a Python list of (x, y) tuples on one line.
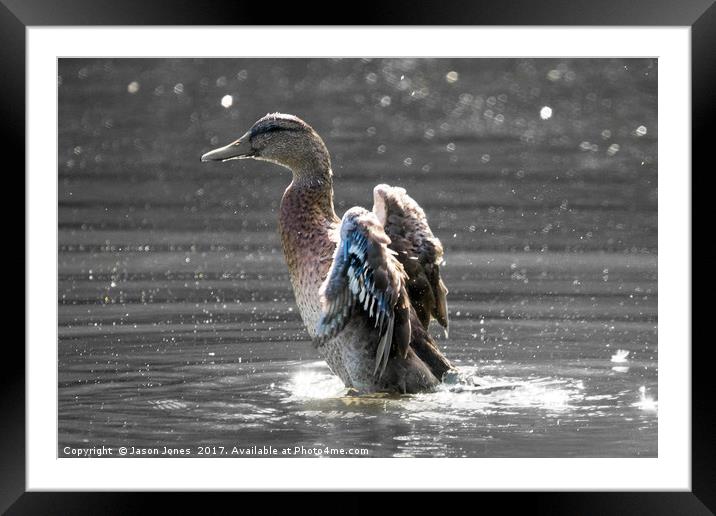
[(176, 319)]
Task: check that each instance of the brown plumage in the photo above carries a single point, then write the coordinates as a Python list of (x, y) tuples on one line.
[(366, 285), (418, 250)]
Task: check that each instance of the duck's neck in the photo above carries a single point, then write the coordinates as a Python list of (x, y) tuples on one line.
[(309, 197), (307, 221)]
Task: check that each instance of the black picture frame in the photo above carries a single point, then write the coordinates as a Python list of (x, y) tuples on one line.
[(700, 15)]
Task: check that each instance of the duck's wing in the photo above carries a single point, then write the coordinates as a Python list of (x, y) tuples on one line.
[(420, 252), (366, 276)]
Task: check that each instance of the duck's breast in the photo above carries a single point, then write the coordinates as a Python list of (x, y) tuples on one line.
[(309, 254)]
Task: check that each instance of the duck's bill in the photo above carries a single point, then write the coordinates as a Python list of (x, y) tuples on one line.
[(239, 149)]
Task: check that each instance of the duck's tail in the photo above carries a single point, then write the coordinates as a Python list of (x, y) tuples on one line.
[(427, 350)]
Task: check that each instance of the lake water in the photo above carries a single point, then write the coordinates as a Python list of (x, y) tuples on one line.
[(176, 321)]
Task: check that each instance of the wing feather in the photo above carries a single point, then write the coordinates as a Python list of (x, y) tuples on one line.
[(366, 277), (417, 249)]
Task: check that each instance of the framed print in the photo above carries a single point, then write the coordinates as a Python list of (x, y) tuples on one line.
[(282, 258)]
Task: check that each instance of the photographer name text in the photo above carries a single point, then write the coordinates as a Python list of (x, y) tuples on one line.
[(212, 451)]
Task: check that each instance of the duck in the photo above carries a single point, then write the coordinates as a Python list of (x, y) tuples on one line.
[(368, 284)]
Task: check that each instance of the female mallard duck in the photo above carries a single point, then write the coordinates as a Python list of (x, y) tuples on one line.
[(367, 285)]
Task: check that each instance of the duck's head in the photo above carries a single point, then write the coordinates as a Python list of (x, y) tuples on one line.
[(285, 140)]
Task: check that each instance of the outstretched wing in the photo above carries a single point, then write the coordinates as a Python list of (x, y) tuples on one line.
[(418, 250), (366, 276)]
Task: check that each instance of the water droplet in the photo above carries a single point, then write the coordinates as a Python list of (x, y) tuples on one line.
[(452, 77), (227, 101), (133, 87), (545, 113)]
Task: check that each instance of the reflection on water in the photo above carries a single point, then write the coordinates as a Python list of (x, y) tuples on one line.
[(176, 320)]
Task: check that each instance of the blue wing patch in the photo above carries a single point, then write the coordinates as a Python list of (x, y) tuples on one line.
[(366, 278)]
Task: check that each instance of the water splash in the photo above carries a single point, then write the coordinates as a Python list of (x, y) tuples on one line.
[(620, 356), (464, 391), (314, 384), (647, 403)]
